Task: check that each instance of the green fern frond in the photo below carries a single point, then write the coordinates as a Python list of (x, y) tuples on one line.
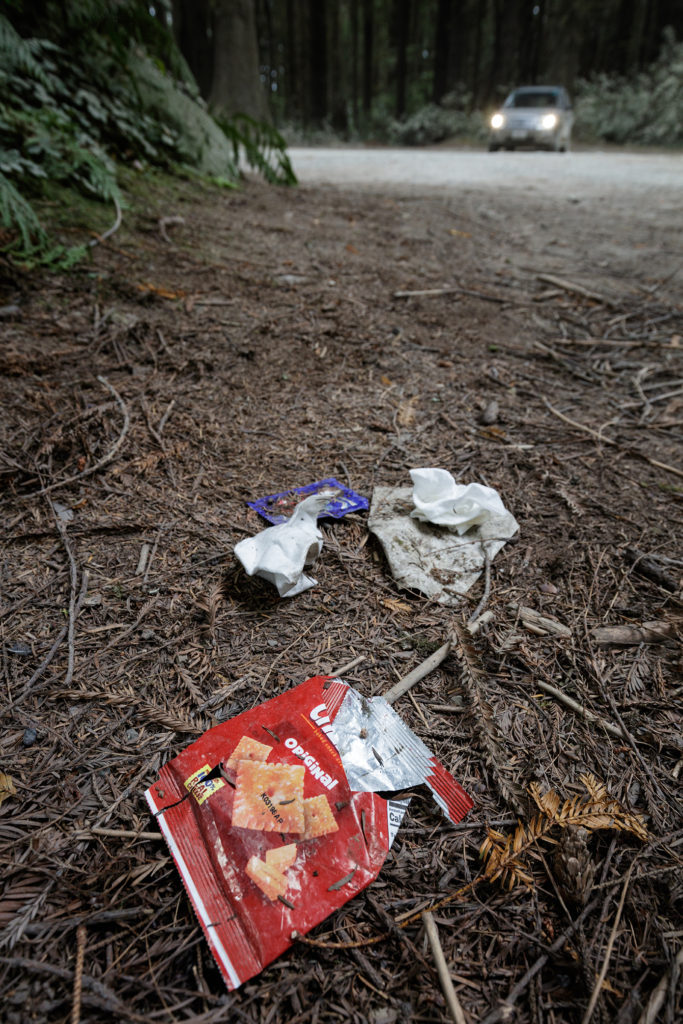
[(262, 145), (16, 213), (19, 54)]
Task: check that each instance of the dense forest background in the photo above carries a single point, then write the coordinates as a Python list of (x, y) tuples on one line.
[(358, 68), (90, 87)]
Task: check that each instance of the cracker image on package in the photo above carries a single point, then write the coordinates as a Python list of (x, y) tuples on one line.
[(248, 750), (269, 797), (274, 818)]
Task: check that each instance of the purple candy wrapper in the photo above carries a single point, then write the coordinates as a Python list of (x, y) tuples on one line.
[(277, 508)]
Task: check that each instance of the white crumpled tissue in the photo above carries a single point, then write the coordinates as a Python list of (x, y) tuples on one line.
[(439, 500), (281, 553), (438, 535)]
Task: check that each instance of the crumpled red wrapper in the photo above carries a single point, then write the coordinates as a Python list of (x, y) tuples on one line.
[(267, 850)]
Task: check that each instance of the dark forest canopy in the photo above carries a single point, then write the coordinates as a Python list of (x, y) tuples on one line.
[(351, 64), (86, 85)]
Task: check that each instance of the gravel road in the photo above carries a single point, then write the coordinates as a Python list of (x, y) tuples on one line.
[(594, 173)]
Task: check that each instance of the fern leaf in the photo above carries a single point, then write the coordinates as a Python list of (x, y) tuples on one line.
[(16, 212)]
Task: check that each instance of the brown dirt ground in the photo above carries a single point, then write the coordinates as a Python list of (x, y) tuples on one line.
[(261, 347)]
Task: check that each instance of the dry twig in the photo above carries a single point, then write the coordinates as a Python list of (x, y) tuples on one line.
[(608, 440), (106, 459), (447, 988), (608, 951), (78, 975)]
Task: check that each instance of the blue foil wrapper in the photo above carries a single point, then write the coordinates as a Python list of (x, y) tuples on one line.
[(277, 508)]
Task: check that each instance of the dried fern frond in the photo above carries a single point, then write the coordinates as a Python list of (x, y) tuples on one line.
[(503, 854), (474, 678), (209, 604), (598, 811)]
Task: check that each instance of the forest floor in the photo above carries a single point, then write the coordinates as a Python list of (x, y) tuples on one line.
[(222, 346)]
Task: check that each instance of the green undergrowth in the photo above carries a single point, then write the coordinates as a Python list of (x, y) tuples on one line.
[(643, 109), (76, 121)]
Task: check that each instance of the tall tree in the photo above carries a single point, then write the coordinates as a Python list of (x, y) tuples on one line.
[(354, 62), (317, 12), (192, 28), (402, 26), (338, 80), (442, 50), (236, 86), (368, 55)]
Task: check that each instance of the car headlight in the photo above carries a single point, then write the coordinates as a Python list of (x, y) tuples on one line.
[(549, 121), (497, 121)]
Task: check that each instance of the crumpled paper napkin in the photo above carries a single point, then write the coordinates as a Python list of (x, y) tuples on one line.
[(280, 553), (439, 500)]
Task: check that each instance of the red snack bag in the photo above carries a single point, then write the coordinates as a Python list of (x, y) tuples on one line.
[(266, 830)]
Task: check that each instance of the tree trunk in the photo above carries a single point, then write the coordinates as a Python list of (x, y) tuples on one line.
[(354, 63), (292, 78), (368, 47), (442, 51), (236, 83), (317, 13), (402, 16), (192, 31), (339, 76)]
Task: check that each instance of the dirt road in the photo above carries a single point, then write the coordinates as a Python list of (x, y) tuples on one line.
[(602, 218), (577, 174)]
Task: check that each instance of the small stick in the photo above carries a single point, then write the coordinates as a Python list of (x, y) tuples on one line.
[(349, 665), (142, 560), (608, 952), (450, 290), (165, 222), (569, 286), (654, 1003), (590, 716), (608, 440), (154, 551), (474, 625), (442, 968), (78, 975), (160, 441), (434, 660), (164, 418), (107, 458), (72, 600), (124, 833), (110, 231), (504, 1011), (51, 653), (487, 587), (425, 291), (418, 673)]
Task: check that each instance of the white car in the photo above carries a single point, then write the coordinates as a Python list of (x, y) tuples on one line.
[(533, 115)]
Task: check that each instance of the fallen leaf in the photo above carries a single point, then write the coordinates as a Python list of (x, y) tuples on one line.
[(406, 412), (493, 433), (7, 787), (460, 234), (164, 293), (394, 605)]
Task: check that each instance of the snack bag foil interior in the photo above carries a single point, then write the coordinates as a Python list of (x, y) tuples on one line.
[(274, 818)]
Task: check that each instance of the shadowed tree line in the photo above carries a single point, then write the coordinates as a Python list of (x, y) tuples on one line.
[(351, 65)]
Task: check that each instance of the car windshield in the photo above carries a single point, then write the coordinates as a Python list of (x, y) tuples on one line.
[(532, 99)]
